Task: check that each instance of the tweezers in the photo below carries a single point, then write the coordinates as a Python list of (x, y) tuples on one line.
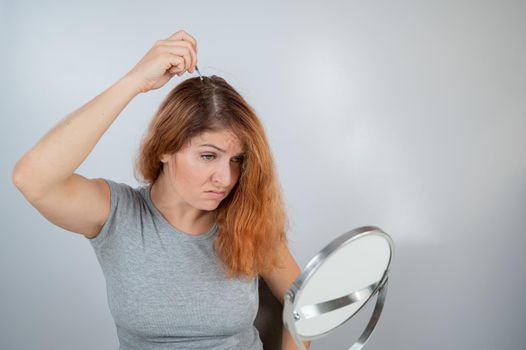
[(200, 76)]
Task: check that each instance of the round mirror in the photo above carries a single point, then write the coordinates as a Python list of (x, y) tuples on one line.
[(337, 283)]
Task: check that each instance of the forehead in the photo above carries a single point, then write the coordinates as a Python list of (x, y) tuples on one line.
[(224, 139)]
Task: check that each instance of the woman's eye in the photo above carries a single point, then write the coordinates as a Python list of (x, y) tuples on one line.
[(207, 156), (238, 160)]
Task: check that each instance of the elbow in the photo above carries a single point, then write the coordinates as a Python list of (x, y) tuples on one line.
[(17, 176), (22, 181)]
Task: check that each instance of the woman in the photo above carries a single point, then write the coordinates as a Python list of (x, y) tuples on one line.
[(181, 255)]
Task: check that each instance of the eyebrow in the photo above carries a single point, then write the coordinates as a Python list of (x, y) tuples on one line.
[(219, 149)]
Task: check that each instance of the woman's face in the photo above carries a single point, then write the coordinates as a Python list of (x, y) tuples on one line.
[(204, 172)]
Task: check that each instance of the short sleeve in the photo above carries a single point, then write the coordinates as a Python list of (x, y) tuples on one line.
[(120, 194)]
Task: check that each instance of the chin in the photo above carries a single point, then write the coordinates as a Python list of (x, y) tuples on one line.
[(209, 207)]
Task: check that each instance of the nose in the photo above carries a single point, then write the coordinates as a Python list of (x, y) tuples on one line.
[(223, 175)]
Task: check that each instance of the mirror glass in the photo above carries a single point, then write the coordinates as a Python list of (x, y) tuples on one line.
[(351, 271)]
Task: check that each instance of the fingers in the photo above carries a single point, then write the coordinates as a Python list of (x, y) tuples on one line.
[(182, 45), (180, 49), (177, 63), (184, 36)]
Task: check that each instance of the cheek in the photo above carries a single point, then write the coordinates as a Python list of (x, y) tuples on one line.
[(194, 176)]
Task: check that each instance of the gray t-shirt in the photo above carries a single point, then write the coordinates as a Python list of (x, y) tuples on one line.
[(167, 289)]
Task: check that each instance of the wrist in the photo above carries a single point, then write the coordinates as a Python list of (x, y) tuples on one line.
[(129, 82)]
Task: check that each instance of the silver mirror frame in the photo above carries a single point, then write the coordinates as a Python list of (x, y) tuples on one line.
[(290, 316)]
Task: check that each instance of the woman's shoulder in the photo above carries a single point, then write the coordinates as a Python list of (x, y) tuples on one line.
[(120, 186), (127, 204), (122, 192)]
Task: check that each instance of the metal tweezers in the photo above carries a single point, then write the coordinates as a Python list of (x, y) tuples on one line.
[(200, 76)]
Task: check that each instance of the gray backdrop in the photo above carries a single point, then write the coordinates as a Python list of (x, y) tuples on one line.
[(407, 115)]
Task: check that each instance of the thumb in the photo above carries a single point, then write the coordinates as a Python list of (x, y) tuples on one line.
[(183, 35)]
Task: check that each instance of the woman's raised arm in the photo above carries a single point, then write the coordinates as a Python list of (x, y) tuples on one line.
[(53, 160), (45, 174)]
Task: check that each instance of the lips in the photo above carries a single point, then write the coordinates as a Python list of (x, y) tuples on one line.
[(216, 195), (216, 192)]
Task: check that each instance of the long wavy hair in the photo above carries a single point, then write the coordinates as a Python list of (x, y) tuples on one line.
[(251, 220)]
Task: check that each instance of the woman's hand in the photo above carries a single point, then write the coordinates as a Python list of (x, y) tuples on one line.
[(174, 55)]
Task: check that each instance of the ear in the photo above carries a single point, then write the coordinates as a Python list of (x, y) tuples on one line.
[(164, 158)]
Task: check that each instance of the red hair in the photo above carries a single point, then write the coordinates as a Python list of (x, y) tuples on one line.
[(252, 221)]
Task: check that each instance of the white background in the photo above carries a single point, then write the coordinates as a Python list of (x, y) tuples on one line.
[(407, 115)]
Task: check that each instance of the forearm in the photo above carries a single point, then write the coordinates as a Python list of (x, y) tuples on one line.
[(287, 342), (62, 149)]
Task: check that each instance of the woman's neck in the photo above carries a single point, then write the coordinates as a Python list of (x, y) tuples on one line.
[(179, 213)]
